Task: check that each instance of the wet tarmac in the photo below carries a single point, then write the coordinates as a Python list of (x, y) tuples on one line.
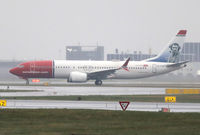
[(66, 91), (101, 105)]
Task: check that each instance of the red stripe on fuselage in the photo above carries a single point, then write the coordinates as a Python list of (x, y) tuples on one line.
[(37, 69)]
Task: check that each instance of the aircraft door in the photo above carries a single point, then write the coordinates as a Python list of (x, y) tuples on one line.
[(32, 66), (154, 68)]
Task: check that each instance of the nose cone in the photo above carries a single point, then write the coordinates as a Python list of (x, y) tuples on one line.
[(14, 71)]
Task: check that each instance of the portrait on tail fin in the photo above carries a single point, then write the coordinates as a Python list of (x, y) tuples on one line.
[(171, 53), (174, 50)]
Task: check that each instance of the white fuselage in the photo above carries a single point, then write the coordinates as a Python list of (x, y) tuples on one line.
[(137, 69)]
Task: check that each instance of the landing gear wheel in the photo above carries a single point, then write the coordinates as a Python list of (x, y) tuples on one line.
[(98, 82)]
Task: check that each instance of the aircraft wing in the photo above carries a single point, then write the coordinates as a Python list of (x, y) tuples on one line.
[(178, 64), (101, 74), (105, 73)]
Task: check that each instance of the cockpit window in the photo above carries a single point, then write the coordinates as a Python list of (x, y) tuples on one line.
[(20, 66)]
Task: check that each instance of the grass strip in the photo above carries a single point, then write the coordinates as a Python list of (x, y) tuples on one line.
[(96, 122)]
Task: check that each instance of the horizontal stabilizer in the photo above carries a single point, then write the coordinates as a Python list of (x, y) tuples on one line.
[(177, 64)]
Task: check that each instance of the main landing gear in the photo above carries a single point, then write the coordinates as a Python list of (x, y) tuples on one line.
[(98, 82)]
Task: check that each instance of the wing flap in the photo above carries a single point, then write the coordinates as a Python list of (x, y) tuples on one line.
[(101, 74)]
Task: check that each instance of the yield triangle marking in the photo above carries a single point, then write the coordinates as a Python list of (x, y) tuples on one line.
[(124, 105)]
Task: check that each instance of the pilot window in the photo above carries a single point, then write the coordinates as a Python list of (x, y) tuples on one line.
[(20, 66)]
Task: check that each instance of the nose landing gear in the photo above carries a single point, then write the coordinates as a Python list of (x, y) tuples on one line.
[(98, 82), (27, 81)]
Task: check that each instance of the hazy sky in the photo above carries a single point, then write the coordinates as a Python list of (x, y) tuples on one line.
[(40, 29)]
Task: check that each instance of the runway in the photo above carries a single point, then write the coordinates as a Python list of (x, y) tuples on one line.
[(110, 83), (87, 90), (101, 105), (67, 91)]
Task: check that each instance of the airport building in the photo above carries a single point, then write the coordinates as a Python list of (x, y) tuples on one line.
[(136, 56), (84, 52), (191, 52)]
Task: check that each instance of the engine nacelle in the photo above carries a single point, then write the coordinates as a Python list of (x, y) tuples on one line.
[(77, 77)]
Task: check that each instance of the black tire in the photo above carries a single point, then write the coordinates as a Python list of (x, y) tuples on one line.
[(98, 82)]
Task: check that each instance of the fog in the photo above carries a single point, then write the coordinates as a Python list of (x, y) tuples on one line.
[(40, 29)]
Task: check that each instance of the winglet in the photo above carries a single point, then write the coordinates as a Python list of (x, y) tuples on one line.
[(124, 66)]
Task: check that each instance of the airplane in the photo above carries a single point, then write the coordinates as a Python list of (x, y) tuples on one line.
[(76, 71)]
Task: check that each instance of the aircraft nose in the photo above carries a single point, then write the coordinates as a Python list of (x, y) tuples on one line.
[(13, 71)]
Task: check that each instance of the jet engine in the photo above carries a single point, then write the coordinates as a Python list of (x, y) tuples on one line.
[(77, 77)]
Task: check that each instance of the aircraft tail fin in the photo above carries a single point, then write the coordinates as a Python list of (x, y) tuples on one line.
[(171, 53)]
